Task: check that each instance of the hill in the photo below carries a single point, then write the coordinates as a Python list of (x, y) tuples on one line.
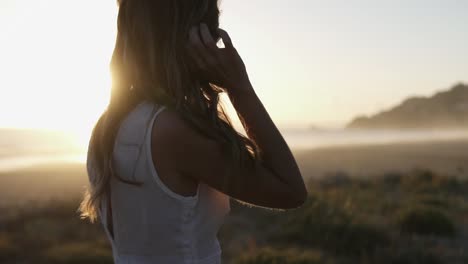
[(37, 142), (444, 110)]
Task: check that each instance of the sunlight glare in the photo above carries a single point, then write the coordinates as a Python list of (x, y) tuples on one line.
[(57, 58)]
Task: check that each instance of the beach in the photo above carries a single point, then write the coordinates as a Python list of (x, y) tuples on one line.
[(446, 157), (65, 180)]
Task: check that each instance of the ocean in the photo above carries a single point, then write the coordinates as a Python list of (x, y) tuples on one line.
[(24, 148)]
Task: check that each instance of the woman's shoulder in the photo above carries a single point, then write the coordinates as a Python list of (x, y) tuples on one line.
[(175, 136), (170, 126)]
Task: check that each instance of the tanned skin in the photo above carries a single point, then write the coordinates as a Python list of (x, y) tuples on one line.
[(184, 158)]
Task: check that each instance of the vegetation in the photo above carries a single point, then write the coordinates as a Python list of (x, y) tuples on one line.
[(51, 233), (273, 256), (426, 221), (414, 217), (398, 218)]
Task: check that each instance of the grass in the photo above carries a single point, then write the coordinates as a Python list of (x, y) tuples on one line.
[(408, 218), (331, 228), (413, 217), (78, 252), (426, 221), (51, 233), (277, 256)]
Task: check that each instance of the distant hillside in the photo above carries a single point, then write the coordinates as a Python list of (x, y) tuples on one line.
[(444, 110), (30, 142)]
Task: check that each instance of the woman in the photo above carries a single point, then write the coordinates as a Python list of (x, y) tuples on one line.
[(164, 158)]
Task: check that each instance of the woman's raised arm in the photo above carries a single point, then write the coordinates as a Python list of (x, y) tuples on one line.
[(277, 182)]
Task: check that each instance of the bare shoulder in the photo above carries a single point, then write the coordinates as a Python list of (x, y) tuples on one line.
[(176, 140), (169, 131), (171, 128), (170, 135), (169, 125)]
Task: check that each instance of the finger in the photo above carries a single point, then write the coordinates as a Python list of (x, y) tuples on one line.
[(200, 48), (209, 54), (195, 61), (206, 37), (196, 49), (226, 38)]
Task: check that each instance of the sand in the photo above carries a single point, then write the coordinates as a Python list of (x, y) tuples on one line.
[(65, 180), (43, 183), (444, 157)]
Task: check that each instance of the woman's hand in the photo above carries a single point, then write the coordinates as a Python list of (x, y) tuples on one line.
[(222, 67), (277, 182)]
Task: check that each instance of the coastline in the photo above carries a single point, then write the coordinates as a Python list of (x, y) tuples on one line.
[(67, 178)]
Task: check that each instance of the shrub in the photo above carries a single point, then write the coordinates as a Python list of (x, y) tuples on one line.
[(392, 178), (7, 248), (420, 181), (423, 176), (415, 257), (51, 233), (272, 256), (337, 179), (451, 185), (435, 201), (78, 253), (426, 221), (323, 226)]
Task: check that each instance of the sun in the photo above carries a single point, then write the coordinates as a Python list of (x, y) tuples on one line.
[(56, 59)]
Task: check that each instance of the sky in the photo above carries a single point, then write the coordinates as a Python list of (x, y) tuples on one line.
[(312, 63)]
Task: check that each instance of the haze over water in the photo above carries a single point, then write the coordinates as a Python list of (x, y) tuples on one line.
[(20, 149)]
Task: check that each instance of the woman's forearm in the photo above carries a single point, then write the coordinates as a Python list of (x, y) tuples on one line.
[(275, 152)]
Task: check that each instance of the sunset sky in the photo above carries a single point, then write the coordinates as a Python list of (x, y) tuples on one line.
[(311, 62)]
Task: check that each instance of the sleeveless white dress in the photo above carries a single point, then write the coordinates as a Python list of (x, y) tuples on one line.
[(151, 223)]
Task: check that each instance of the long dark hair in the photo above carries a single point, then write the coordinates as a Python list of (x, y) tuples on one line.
[(149, 63)]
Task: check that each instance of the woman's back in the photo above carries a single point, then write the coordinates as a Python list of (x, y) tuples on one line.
[(151, 223)]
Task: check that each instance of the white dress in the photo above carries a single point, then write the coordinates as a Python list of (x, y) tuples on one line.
[(151, 223)]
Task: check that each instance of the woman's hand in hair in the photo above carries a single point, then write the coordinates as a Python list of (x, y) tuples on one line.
[(277, 181), (222, 67)]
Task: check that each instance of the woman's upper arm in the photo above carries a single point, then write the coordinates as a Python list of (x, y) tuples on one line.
[(195, 156)]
